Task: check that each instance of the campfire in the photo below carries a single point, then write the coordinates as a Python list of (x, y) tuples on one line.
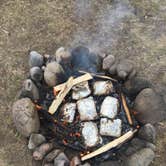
[(78, 109)]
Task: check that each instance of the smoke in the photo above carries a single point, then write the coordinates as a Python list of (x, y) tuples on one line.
[(99, 23)]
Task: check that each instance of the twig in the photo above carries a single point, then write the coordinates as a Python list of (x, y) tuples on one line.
[(77, 80), (110, 145), (126, 109), (99, 76)]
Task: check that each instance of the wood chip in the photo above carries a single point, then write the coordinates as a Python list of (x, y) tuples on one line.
[(126, 109), (110, 145), (99, 76), (77, 80), (61, 95)]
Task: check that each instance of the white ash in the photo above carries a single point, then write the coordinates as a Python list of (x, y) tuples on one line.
[(68, 112), (81, 90), (110, 127), (87, 109), (102, 87), (109, 107), (90, 133)]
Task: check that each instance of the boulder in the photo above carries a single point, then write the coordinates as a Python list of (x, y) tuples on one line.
[(134, 85), (35, 59), (63, 56), (135, 145), (29, 90), (53, 154), (150, 107), (42, 150), (125, 69), (61, 160), (53, 74), (35, 140), (75, 161), (110, 163), (25, 117), (148, 133), (36, 74), (83, 59), (142, 157), (108, 62)]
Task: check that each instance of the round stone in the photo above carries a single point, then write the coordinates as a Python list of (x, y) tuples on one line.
[(134, 85), (29, 90), (142, 157), (148, 133), (53, 74), (35, 59), (25, 117), (125, 69), (36, 74), (63, 56), (150, 107), (108, 62), (35, 140)]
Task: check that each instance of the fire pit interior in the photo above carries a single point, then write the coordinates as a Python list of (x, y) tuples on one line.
[(90, 116)]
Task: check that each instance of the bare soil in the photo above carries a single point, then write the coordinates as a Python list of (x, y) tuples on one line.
[(46, 25)]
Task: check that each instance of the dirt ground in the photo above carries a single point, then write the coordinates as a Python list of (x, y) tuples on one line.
[(45, 25)]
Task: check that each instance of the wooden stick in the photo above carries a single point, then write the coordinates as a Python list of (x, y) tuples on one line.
[(126, 109), (77, 80), (61, 95), (99, 76), (110, 145)]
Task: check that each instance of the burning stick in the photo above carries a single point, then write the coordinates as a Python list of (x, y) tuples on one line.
[(56, 103), (126, 109), (77, 80), (110, 145), (99, 76)]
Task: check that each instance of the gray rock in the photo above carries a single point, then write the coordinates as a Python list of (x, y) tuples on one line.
[(63, 56), (35, 140), (50, 156), (82, 59), (148, 133), (134, 85), (112, 69), (42, 150), (53, 74), (48, 164), (150, 107), (151, 146), (125, 69), (135, 145), (29, 90), (36, 73), (61, 160), (75, 161), (35, 59), (25, 117), (142, 157), (108, 62), (110, 163)]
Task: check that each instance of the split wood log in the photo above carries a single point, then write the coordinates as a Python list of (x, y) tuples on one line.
[(99, 76), (77, 80), (110, 145), (61, 95), (127, 111)]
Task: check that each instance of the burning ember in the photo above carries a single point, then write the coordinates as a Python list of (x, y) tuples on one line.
[(79, 109)]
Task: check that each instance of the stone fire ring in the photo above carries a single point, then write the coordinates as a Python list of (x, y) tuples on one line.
[(53, 79)]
